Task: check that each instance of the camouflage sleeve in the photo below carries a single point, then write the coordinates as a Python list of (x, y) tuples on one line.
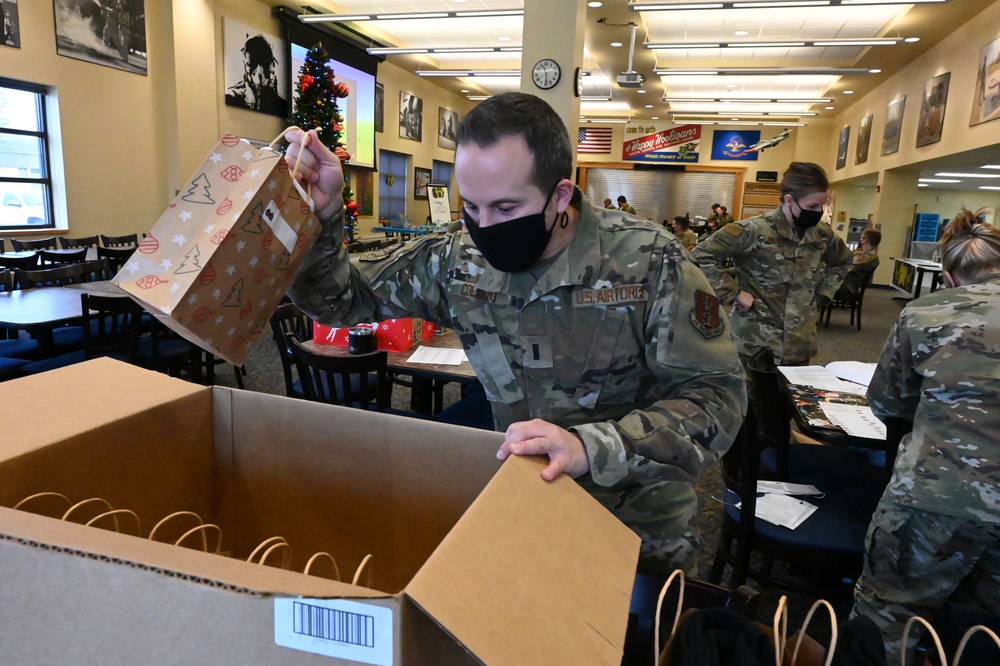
[(895, 387), (407, 282), (703, 398), (838, 259), (729, 241)]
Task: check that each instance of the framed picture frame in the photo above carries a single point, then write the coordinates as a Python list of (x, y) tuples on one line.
[(985, 99), (842, 145), (421, 179), (893, 125), (932, 105), (249, 56), (379, 107), (411, 116), (11, 24), (864, 139), (447, 128), (113, 38)]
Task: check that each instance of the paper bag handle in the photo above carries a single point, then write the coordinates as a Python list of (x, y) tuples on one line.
[(114, 516), (969, 634), (833, 631), (286, 557), (298, 158), (780, 626), (264, 546), (906, 635), (81, 503), (361, 567), (166, 519), (322, 554), (204, 539), (677, 575), (37, 496)]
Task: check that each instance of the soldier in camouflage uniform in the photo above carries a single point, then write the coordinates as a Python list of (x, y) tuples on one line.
[(599, 343), (786, 264), (935, 535)]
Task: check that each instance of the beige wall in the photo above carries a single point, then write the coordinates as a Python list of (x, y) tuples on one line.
[(130, 141)]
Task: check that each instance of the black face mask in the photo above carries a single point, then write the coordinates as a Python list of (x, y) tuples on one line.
[(806, 219), (515, 245)]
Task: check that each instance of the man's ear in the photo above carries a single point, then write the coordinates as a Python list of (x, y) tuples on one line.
[(564, 193)]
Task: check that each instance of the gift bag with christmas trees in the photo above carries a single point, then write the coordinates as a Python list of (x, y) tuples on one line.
[(221, 257)]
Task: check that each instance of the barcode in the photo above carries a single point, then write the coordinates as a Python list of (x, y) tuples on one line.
[(334, 625)]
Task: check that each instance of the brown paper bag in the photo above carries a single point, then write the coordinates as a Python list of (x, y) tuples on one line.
[(219, 260)]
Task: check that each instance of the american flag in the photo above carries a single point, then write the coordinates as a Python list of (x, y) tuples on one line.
[(594, 140)]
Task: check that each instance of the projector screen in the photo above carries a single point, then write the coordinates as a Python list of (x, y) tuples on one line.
[(357, 70)]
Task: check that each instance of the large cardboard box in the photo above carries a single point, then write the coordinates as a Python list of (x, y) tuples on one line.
[(473, 562)]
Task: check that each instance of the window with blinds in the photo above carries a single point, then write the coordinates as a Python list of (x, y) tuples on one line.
[(659, 195)]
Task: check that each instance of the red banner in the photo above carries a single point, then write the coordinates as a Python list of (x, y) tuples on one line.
[(651, 143)]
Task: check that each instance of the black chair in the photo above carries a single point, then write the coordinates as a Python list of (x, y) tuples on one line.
[(827, 548), (56, 257), (324, 377), (38, 244), (111, 327), (87, 271), (851, 295), (697, 594), (288, 320), (163, 350), (116, 256), (120, 241), (73, 243), (27, 262)]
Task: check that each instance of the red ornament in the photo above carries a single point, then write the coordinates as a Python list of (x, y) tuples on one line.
[(306, 81), (341, 89), (352, 208), (342, 154)]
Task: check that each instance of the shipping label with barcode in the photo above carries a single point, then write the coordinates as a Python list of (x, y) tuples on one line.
[(335, 628)]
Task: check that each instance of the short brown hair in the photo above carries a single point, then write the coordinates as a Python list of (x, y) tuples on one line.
[(970, 250), (874, 236), (802, 179)]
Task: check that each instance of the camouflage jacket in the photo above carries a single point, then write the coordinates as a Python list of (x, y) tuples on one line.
[(785, 270), (940, 370), (865, 256), (620, 339)]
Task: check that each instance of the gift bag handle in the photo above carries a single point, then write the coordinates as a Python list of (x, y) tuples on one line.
[(265, 546), (361, 567), (166, 519), (906, 635), (833, 631), (298, 158), (322, 554), (81, 503), (204, 539), (677, 575), (286, 557), (969, 634), (114, 513), (780, 626), (38, 496)]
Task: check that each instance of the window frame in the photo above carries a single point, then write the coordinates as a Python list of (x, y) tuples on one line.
[(44, 135)]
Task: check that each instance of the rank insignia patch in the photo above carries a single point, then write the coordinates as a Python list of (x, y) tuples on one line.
[(705, 314)]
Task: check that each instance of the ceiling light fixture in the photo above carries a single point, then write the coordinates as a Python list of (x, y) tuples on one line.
[(947, 174), (763, 71), (848, 92), (874, 71), (467, 72), (990, 166), (595, 4), (686, 5), (880, 41), (988, 187), (402, 50), (937, 180), (911, 40), (616, 44), (343, 18), (477, 98), (606, 121), (741, 33), (595, 98)]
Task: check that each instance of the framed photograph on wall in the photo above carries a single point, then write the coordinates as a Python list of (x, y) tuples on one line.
[(112, 34), (11, 25), (421, 179), (986, 95), (256, 69), (845, 139), (932, 105), (893, 125), (447, 128), (411, 116), (864, 138), (379, 107)]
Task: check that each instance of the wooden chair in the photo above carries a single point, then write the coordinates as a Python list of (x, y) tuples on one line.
[(851, 295), (57, 257), (87, 271), (287, 321), (27, 262), (73, 243), (324, 377), (827, 547), (164, 351), (37, 244), (120, 241), (116, 256)]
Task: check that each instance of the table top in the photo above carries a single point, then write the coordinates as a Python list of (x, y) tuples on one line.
[(925, 264), (399, 361), (419, 231), (48, 306)]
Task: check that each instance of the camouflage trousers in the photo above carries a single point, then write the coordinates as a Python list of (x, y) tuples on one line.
[(664, 514), (917, 560)]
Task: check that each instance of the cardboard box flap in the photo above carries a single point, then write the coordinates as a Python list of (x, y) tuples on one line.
[(165, 559), (526, 539), (80, 398)]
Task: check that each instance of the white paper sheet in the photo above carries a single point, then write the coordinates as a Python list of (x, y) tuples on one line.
[(438, 356), (785, 488), (856, 420), (819, 377), (782, 510), (853, 371)]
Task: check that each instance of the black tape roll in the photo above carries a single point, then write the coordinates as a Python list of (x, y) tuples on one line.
[(361, 341)]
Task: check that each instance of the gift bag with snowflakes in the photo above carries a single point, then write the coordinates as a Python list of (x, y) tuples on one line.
[(219, 260)]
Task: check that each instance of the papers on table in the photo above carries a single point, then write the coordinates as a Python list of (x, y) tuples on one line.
[(438, 356), (819, 377), (782, 510), (853, 371), (785, 488), (855, 420)]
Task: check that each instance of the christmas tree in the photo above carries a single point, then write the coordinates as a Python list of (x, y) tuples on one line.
[(316, 108)]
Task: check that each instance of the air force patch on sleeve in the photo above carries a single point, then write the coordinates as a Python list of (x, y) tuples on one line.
[(705, 314)]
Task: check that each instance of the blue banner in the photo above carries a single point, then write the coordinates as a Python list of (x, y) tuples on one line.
[(732, 145)]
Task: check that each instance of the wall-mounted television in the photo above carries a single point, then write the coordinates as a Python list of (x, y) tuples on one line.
[(355, 68)]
